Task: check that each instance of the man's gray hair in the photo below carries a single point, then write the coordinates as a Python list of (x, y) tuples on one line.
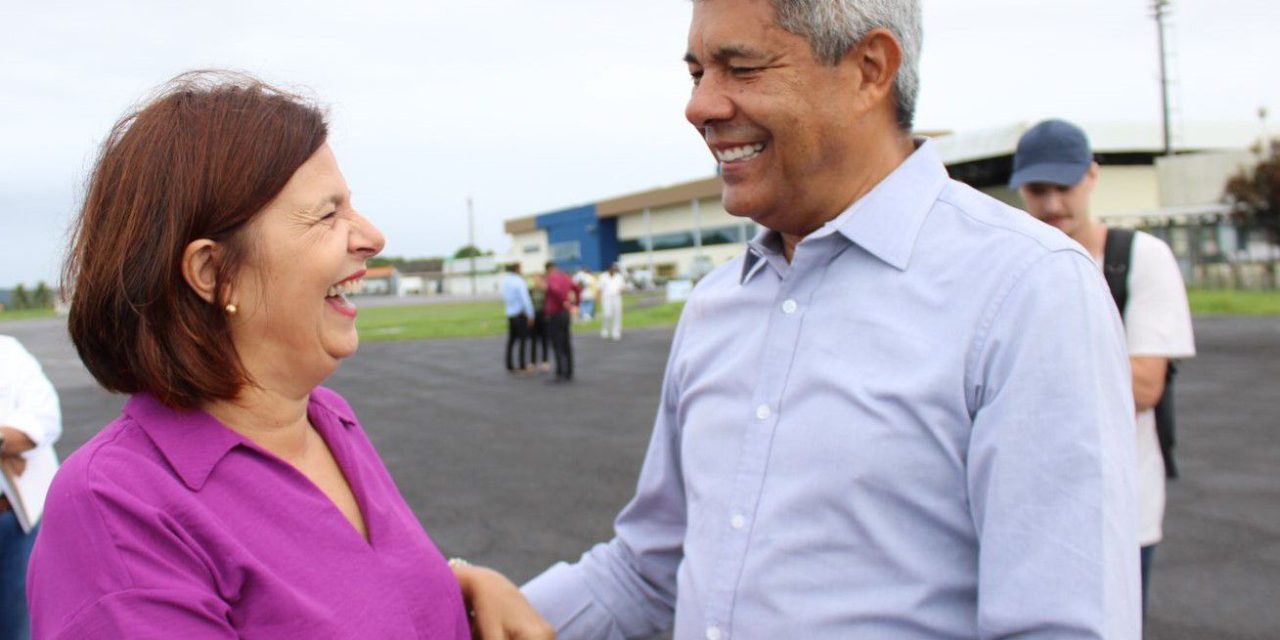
[(835, 27)]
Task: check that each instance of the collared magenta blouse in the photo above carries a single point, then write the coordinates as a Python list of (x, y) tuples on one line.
[(171, 525)]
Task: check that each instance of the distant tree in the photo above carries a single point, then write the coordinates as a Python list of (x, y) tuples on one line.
[(470, 251), (1254, 194), (21, 299), (42, 297)]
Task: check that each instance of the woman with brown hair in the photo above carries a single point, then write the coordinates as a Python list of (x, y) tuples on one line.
[(234, 496)]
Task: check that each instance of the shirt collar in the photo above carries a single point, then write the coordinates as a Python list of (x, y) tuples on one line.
[(885, 222), (194, 442)]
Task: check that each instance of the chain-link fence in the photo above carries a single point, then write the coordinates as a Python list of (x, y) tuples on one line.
[(1221, 253)]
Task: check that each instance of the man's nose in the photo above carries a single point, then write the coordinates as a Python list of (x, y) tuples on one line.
[(708, 104)]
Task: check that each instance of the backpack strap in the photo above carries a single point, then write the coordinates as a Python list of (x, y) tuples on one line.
[(1116, 258), (1117, 255)]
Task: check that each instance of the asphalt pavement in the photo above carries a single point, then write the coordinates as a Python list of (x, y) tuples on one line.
[(517, 474)]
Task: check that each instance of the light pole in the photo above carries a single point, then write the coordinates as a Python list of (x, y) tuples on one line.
[(471, 242), (1162, 9)]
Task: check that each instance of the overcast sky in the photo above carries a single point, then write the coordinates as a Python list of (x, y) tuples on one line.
[(533, 106)]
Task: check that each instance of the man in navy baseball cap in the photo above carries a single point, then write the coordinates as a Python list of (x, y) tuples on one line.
[(1054, 151), (1054, 172)]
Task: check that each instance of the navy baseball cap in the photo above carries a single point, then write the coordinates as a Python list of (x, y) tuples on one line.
[(1054, 151)]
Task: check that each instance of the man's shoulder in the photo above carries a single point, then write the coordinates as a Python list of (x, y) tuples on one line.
[(1148, 247), (978, 219)]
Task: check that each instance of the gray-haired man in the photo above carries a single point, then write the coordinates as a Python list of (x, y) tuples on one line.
[(855, 437)]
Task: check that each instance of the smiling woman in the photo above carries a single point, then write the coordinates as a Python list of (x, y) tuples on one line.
[(234, 496)]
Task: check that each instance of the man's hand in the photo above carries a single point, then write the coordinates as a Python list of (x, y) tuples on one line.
[(14, 465), (15, 444), (498, 609)]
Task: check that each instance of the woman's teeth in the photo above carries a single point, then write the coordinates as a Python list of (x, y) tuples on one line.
[(345, 288), (744, 152)]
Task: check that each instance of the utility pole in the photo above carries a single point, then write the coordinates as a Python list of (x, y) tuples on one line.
[(471, 241), (1162, 8), (1264, 144)]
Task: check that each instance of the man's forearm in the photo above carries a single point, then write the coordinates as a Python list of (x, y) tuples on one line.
[(1148, 380), (15, 441)]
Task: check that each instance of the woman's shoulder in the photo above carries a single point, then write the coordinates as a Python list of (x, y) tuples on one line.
[(119, 457)]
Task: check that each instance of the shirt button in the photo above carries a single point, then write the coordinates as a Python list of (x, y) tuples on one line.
[(738, 522), (789, 307), (763, 412), (713, 633)]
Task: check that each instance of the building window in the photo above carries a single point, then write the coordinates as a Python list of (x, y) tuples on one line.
[(684, 239), (533, 248), (566, 251)]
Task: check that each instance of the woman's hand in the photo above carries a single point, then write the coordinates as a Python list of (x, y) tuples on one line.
[(498, 610)]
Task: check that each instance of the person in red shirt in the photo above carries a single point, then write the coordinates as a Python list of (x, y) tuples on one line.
[(562, 299)]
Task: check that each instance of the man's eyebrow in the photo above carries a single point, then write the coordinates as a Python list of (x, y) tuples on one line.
[(729, 52)]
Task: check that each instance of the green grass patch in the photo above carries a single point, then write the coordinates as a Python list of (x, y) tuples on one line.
[(1234, 302), (25, 314), (480, 319)]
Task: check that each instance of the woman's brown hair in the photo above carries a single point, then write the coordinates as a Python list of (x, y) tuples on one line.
[(199, 160)]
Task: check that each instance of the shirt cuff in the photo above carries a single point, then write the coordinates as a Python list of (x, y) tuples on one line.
[(562, 596), (29, 425)]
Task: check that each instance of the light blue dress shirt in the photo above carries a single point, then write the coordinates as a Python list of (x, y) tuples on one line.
[(515, 295), (922, 427)]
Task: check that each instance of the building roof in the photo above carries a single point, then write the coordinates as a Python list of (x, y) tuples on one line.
[(1128, 142), (521, 225), (661, 197), (380, 272), (1106, 138)]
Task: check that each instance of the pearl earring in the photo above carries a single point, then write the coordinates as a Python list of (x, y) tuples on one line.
[(231, 309)]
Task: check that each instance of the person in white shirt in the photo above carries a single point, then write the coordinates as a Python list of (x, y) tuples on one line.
[(611, 285), (587, 284), (30, 422), (1055, 174)]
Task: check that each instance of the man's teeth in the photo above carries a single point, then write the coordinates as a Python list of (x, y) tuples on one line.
[(744, 152), (345, 288)]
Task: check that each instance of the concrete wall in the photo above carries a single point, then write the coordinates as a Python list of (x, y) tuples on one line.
[(530, 250), (683, 263), (1199, 178), (1125, 190), (460, 284)]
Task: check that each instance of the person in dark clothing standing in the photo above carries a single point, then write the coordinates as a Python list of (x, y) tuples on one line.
[(519, 308), (538, 334), (562, 298)]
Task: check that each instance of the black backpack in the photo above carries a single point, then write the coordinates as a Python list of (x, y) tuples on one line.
[(1117, 256)]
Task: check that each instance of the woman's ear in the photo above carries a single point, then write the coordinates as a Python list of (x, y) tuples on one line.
[(200, 268)]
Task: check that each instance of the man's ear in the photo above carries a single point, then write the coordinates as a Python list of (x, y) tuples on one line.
[(1093, 171), (877, 58), (200, 268)]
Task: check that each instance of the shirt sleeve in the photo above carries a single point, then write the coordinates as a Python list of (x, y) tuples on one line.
[(1157, 317), (526, 300), (35, 402), (626, 588), (111, 562), (1051, 460), (149, 614)]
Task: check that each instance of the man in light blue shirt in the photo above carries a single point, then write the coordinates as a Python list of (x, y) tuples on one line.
[(903, 413), (519, 306)]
